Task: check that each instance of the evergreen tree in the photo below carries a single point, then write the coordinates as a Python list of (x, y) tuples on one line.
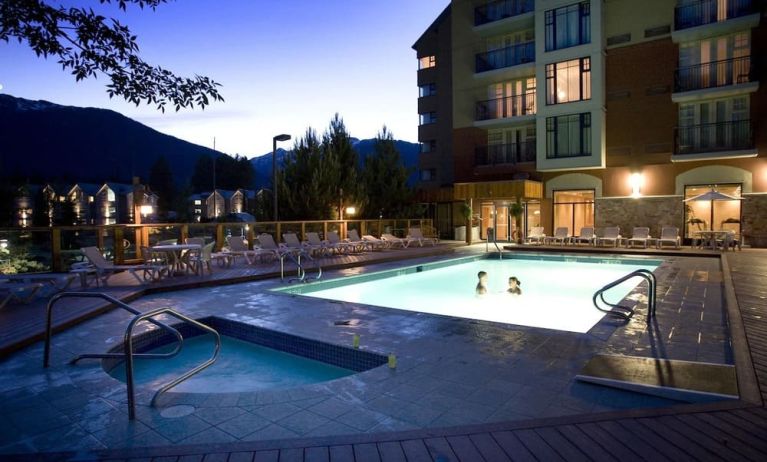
[(202, 177), (385, 180), (337, 144), (66, 216), (308, 183), (161, 182), (42, 208)]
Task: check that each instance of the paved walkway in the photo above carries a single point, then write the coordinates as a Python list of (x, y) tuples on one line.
[(730, 431)]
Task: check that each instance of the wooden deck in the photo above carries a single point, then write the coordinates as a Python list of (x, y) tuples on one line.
[(718, 431)]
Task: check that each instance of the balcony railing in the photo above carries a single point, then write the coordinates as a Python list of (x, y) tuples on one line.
[(714, 137), (715, 74), (505, 57), (510, 106), (505, 153), (711, 11), (501, 9)]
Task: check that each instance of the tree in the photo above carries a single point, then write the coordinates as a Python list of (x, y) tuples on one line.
[(385, 180), (67, 215), (161, 182), (89, 44), (42, 208), (202, 177), (337, 144), (308, 183)]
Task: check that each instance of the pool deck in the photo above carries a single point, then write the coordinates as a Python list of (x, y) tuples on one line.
[(732, 430)]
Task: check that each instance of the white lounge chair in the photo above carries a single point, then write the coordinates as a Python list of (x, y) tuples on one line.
[(374, 243), (394, 241), (586, 236), (417, 236), (356, 242), (535, 236), (106, 269), (345, 245), (239, 247), (292, 242), (611, 236), (22, 292), (313, 239), (639, 235), (561, 236), (669, 235)]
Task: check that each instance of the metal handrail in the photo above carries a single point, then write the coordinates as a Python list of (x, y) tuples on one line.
[(119, 304), (301, 272), (626, 312), (129, 355)]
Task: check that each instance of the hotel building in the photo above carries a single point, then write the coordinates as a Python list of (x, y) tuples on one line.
[(595, 113)]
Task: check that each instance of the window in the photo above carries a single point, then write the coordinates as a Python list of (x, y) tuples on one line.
[(429, 174), (197, 202), (568, 81), (427, 118), (574, 210), (427, 62), (568, 26), (427, 90), (568, 136), (429, 146)]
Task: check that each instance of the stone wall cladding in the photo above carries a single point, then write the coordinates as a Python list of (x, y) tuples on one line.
[(754, 225), (627, 213)]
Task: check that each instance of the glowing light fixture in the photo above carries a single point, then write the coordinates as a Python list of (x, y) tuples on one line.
[(636, 180), (351, 210), (146, 210)]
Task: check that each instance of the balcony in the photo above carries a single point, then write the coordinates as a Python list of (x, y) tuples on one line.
[(715, 74), (505, 57), (503, 108), (514, 153), (501, 9), (705, 12), (736, 138)]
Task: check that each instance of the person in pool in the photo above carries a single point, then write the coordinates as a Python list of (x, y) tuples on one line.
[(514, 286), (482, 284)]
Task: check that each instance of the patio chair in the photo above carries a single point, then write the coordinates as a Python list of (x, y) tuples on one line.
[(374, 243), (239, 247), (586, 236), (356, 242), (23, 292), (292, 242), (51, 282), (561, 236), (611, 236), (106, 269), (345, 245), (639, 235), (393, 241), (417, 236), (313, 239), (157, 261), (669, 235), (199, 260), (535, 236)]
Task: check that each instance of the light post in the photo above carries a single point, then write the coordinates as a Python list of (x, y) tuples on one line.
[(277, 138)]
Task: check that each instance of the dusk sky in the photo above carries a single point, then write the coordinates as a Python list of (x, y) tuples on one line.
[(284, 65)]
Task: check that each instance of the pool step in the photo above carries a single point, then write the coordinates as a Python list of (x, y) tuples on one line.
[(667, 378)]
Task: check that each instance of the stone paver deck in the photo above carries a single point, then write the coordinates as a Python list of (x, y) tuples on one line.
[(494, 382)]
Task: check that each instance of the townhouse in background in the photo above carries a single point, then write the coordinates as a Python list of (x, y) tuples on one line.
[(595, 113), (221, 202)]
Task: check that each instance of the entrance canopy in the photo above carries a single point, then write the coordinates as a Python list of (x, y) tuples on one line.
[(524, 190)]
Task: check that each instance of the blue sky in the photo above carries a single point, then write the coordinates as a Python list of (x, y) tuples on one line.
[(284, 65)]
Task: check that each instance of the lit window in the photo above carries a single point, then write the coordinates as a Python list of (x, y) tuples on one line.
[(568, 26), (197, 202), (427, 118), (197, 211), (568, 136), (429, 146), (568, 81), (427, 62), (427, 90)]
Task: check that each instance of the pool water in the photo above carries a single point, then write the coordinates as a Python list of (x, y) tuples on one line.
[(241, 366), (555, 294)]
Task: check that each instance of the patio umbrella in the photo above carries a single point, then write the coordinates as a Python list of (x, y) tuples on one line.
[(712, 196)]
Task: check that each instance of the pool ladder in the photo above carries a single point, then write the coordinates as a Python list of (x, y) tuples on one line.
[(301, 272), (128, 354), (626, 312)]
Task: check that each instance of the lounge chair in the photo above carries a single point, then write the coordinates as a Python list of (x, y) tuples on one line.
[(535, 236), (239, 247), (313, 239), (417, 236), (292, 242), (669, 235), (640, 235), (394, 241), (356, 242), (278, 250), (561, 236), (22, 292), (195, 240), (611, 236), (51, 282), (374, 243), (106, 269), (344, 245), (586, 236)]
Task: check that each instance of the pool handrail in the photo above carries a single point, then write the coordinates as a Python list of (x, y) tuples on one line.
[(119, 304), (623, 311), (129, 355)]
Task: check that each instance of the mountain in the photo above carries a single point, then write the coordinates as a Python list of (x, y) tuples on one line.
[(408, 151), (43, 141)]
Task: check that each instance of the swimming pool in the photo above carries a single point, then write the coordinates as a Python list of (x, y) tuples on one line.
[(556, 292)]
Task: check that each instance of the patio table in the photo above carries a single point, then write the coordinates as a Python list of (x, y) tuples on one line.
[(176, 254), (709, 238)]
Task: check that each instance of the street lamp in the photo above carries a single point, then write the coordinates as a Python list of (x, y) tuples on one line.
[(277, 138)]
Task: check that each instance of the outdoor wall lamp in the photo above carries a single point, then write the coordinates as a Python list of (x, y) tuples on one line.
[(636, 180)]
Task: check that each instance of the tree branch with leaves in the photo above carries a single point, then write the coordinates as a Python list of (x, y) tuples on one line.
[(88, 44)]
